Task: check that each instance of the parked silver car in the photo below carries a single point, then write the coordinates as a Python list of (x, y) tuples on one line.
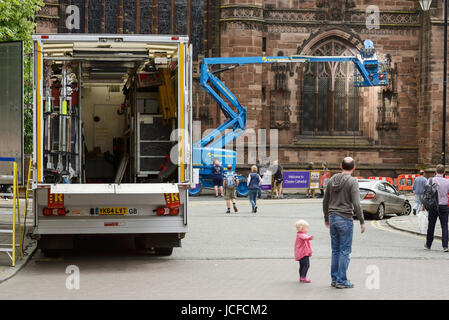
[(380, 197)]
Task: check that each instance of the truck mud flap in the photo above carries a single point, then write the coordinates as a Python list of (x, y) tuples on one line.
[(56, 242), (156, 240)]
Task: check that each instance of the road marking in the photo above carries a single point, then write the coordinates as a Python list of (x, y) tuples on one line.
[(263, 202), (377, 225)]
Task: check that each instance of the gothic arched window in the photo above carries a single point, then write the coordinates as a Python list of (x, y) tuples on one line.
[(330, 102)]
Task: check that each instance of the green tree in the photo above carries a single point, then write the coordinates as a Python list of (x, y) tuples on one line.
[(17, 22)]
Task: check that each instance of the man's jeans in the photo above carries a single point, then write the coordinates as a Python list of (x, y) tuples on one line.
[(417, 206), (253, 197), (443, 216), (341, 230)]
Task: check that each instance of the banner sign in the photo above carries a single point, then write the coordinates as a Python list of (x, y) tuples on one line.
[(55, 200), (266, 181), (172, 200), (315, 179), (325, 176), (296, 179)]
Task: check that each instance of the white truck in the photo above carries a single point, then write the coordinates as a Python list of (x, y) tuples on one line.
[(112, 139)]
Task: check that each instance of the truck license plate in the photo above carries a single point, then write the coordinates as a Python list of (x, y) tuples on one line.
[(107, 211)]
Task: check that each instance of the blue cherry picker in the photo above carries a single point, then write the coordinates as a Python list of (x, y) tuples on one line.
[(368, 71)]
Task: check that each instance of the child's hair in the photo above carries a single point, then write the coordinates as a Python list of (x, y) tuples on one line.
[(300, 224)]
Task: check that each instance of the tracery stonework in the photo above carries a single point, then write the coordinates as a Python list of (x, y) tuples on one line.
[(334, 9)]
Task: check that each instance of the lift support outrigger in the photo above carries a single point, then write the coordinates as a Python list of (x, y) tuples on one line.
[(368, 72)]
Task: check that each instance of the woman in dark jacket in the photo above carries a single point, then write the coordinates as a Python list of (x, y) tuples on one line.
[(254, 181)]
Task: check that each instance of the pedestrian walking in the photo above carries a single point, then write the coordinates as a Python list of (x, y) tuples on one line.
[(310, 192), (217, 178), (253, 182), (439, 184), (303, 249), (260, 168), (230, 186), (418, 189), (325, 180), (341, 201), (261, 171), (278, 178)]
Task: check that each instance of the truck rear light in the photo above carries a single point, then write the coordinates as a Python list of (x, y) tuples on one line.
[(44, 37), (167, 211), (370, 195), (175, 38), (49, 212)]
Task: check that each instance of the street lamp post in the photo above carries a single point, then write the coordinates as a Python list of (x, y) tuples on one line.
[(443, 152), (425, 6)]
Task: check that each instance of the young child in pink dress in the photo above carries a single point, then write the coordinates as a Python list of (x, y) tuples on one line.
[(303, 249)]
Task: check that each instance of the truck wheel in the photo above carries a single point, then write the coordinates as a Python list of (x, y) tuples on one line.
[(380, 212), (139, 244), (51, 253), (163, 251)]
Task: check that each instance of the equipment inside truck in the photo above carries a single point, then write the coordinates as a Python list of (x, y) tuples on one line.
[(109, 111)]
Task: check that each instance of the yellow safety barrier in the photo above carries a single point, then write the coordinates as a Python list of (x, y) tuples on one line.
[(27, 198), (11, 248)]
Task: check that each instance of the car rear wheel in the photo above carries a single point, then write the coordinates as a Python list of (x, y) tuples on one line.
[(406, 210), (380, 214)]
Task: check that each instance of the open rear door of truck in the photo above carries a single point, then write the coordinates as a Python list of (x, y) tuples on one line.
[(186, 154), (11, 107)]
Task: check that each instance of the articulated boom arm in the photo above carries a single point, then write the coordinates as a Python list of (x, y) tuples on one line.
[(369, 72)]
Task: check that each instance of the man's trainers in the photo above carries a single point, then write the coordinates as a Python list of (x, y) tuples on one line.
[(345, 285), (446, 249), (228, 211), (333, 284), (426, 247), (235, 208), (304, 280), (255, 209)]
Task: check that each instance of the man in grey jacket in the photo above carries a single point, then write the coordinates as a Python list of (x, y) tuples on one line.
[(341, 200)]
